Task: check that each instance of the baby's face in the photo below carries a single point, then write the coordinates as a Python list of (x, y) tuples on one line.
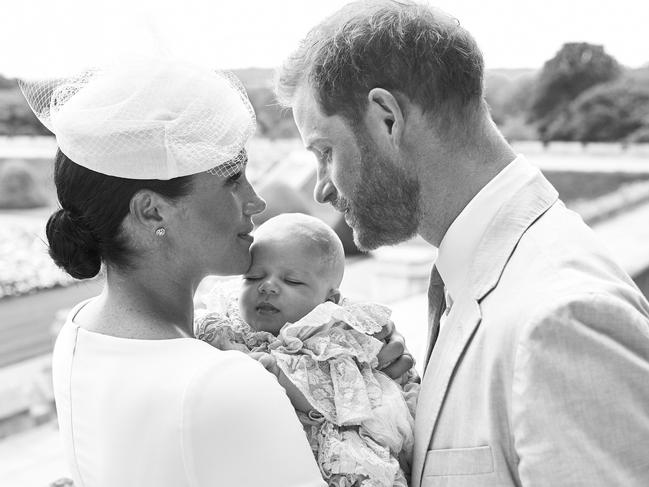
[(286, 280)]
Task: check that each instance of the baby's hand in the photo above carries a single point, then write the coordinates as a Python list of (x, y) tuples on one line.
[(267, 360)]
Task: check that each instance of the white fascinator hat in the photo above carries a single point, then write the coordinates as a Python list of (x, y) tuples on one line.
[(147, 119)]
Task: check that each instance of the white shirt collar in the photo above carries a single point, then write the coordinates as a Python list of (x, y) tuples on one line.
[(458, 247)]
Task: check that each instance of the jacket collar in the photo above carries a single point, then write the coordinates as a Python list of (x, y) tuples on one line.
[(534, 195)]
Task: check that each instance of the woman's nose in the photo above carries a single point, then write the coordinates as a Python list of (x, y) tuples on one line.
[(268, 286), (324, 190), (254, 205)]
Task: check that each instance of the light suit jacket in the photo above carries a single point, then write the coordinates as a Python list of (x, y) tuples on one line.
[(540, 375)]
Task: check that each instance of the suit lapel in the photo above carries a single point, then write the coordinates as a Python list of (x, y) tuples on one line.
[(460, 325), (533, 197)]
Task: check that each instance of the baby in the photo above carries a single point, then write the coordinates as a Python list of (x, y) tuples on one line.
[(289, 312)]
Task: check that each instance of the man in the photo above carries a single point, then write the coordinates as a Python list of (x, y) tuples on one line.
[(539, 374)]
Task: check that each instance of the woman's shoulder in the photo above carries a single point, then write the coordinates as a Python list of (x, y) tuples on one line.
[(233, 384), (230, 372)]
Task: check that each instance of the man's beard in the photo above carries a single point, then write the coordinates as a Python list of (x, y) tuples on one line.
[(384, 207)]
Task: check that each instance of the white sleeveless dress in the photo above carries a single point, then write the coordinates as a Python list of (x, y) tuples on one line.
[(173, 413)]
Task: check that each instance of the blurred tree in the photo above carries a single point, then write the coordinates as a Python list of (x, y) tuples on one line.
[(640, 136), (16, 118), (272, 120), (518, 100), (6, 83), (516, 128), (18, 186), (605, 113), (574, 69), (508, 93)]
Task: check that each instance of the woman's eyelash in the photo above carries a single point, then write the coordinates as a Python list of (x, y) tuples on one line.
[(235, 177)]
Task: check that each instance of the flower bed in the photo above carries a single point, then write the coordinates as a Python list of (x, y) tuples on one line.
[(25, 265)]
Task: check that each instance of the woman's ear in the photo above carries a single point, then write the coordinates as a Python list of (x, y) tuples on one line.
[(384, 116), (334, 296), (150, 210)]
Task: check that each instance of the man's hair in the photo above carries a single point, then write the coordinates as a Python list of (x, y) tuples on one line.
[(400, 46)]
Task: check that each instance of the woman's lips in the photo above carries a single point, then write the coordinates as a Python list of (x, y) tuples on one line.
[(245, 235)]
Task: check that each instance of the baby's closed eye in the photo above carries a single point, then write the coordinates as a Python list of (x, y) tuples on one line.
[(293, 282)]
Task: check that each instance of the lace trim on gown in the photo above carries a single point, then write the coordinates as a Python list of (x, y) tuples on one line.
[(361, 425)]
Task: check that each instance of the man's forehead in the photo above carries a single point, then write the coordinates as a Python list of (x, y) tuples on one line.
[(312, 123), (309, 118)]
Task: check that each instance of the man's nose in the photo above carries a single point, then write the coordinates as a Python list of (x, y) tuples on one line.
[(324, 190), (268, 286)]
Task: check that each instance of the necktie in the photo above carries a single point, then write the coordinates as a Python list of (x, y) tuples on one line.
[(448, 300), (436, 306)]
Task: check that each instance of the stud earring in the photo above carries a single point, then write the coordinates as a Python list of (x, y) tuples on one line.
[(160, 232)]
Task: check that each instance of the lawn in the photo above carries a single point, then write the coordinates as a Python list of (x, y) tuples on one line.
[(574, 186)]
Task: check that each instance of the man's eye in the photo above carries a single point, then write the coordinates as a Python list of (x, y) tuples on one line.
[(251, 278), (293, 282)]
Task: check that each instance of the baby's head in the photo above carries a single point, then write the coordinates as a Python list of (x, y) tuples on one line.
[(297, 263)]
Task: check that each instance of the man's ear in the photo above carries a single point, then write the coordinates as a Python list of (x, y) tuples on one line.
[(384, 116), (150, 210), (334, 296)]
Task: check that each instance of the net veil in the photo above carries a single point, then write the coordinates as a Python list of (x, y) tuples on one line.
[(149, 119)]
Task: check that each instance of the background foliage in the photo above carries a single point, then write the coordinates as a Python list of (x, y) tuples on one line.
[(581, 94)]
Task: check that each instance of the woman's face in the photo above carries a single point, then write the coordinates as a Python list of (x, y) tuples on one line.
[(214, 225)]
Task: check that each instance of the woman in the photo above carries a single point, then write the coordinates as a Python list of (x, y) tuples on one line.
[(151, 180)]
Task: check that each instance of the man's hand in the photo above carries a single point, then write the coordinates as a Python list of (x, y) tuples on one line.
[(394, 358)]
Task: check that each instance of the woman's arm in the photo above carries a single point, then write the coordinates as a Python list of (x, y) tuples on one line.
[(296, 397), (240, 429)]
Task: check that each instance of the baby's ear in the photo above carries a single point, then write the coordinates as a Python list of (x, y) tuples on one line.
[(333, 296)]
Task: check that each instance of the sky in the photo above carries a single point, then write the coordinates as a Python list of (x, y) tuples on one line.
[(52, 37)]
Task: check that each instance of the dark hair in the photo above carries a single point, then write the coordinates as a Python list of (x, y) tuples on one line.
[(399, 46), (86, 230)]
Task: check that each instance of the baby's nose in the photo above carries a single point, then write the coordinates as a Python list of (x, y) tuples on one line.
[(268, 286)]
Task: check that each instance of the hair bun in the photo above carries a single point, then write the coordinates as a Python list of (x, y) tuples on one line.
[(73, 247)]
